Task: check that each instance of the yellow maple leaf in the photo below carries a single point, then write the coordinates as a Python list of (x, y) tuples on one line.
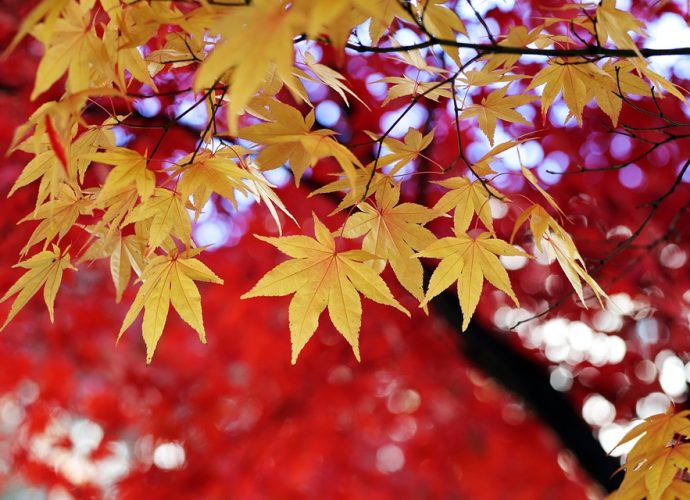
[(72, 46), (656, 432), (329, 77), (47, 11), (47, 167), (43, 270), (125, 253), (130, 170), (662, 467), (167, 212), (469, 261), (518, 36), (467, 198), (57, 216), (393, 231), (615, 24), (169, 279), (497, 105), (209, 173), (405, 151), (405, 86), (248, 56), (441, 22), (575, 79), (551, 238), (678, 489), (382, 13), (363, 178), (131, 27), (288, 138), (262, 190), (322, 277)]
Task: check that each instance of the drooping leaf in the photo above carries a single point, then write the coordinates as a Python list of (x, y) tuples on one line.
[(169, 279), (43, 270)]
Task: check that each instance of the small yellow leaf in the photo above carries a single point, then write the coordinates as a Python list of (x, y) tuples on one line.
[(469, 261), (166, 279), (44, 269)]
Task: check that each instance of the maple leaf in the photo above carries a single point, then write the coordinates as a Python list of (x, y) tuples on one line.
[(469, 261), (406, 86), (662, 467), (518, 36), (288, 138), (615, 24), (551, 238), (363, 178), (329, 77), (656, 432), (248, 56), (466, 198), (393, 231), (322, 277), (169, 279), (130, 169), (47, 11), (125, 253), (532, 179), (73, 46), (441, 22), (262, 191), (677, 489), (576, 80), (405, 151), (382, 13), (180, 50), (57, 216), (128, 29), (206, 173), (43, 270), (47, 167), (497, 106), (167, 212)]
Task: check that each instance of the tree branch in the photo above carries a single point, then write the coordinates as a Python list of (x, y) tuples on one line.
[(483, 49)]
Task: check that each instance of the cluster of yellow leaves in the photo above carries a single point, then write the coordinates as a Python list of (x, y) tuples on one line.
[(655, 466), (136, 209)]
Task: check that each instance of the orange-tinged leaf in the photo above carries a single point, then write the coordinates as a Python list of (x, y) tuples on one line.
[(322, 277), (662, 467), (43, 270)]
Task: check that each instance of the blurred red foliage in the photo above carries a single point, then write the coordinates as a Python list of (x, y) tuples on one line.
[(82, 415)]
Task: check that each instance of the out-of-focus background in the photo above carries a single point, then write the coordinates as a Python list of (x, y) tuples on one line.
[(427, 413)]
